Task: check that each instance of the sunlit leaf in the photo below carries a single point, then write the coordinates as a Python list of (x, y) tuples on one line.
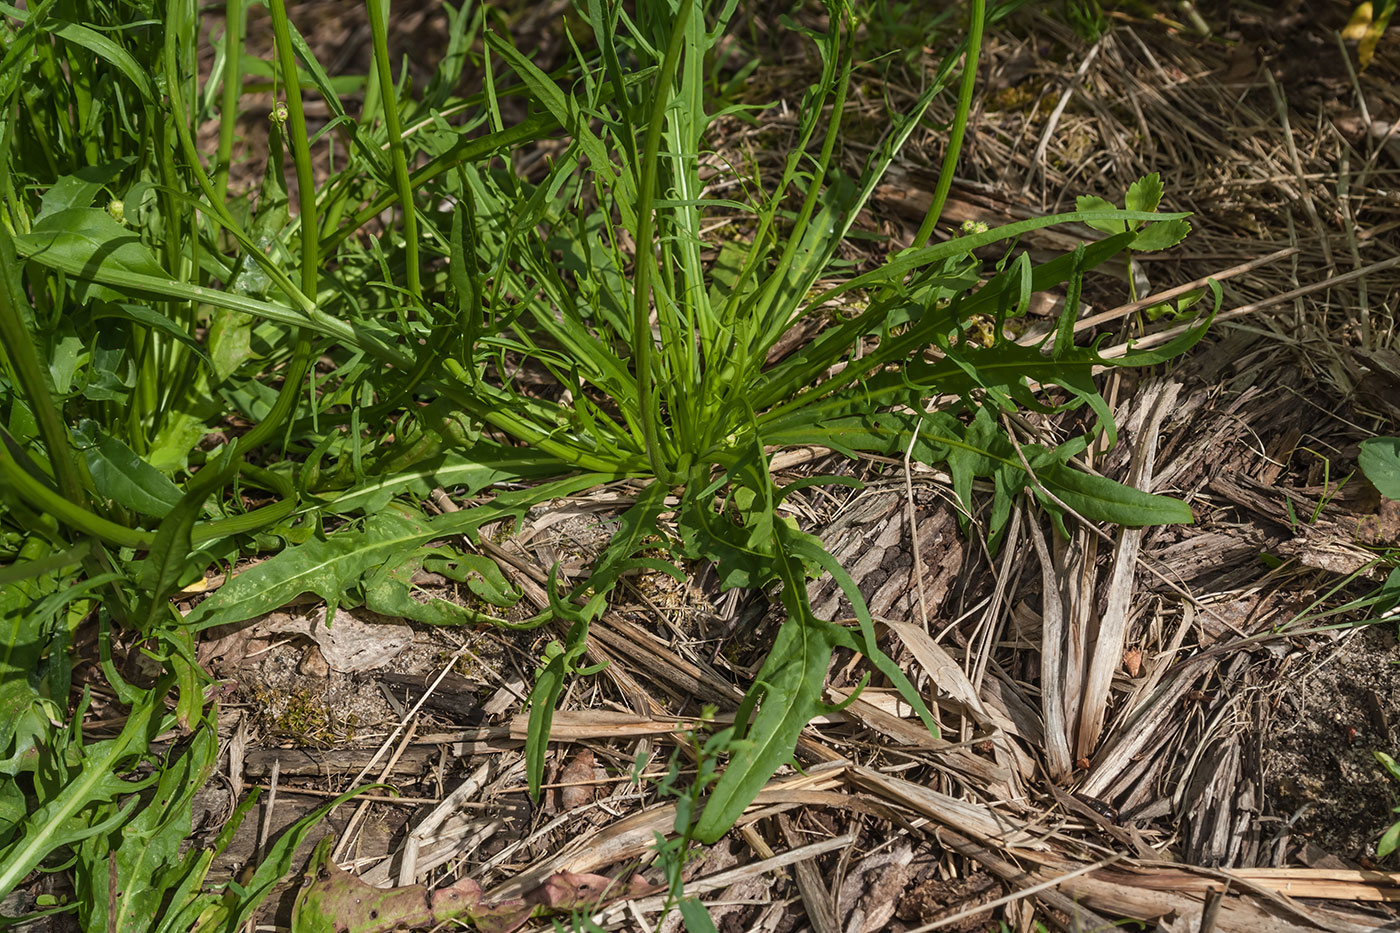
[(1379, 460)]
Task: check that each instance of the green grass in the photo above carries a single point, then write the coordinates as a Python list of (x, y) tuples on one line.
[(174, 349)]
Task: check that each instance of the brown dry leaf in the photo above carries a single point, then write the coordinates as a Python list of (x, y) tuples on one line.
[(577, 780), (1381, 529), (354, 642), (872, 889)]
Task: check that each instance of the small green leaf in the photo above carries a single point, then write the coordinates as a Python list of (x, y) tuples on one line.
[(230, 341), (1179, 344), (1388, 763), (1161, 235), (550, 678), (1091, 203), (12, 807), (695, 917), (1145, 193), (1388, 596), (1389, 842), (79, 188), (389, 590), (1380, 461), (1099, 498)]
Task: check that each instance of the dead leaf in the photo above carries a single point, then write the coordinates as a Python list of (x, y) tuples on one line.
[(354, 642)]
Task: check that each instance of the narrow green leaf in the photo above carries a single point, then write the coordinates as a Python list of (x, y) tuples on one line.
[(810, 549), (236, 909), (151, 842), (105, 48), (559, 664), (637, 529), (1099, 498), (787, 690), (470, 472), (1389, 763), (1064, 332), (150, 318)]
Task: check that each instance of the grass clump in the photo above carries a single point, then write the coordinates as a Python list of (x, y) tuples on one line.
[(429, 315)]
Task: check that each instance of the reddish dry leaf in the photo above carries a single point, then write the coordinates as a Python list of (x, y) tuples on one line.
[(332, 898)]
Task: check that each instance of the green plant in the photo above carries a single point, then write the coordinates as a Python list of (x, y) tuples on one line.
[(192, 374), (1379, 460), (699, 405), (1368, 22), (1390, 839), (673, 853)]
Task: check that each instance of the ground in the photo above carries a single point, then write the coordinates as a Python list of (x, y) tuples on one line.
[(1236, 733)]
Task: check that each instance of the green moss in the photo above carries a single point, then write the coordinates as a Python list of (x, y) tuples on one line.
[(304, 717)]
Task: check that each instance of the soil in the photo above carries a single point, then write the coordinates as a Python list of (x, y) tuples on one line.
[(1341, 704)]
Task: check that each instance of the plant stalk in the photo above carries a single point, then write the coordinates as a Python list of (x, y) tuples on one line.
[(378, 25), (235, 23), (646, 251), (977, 19)]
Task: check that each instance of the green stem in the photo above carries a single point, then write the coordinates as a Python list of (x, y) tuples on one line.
[(466, 150), (90, 523), (215, 204), (67, 511), (378, 25), (977, 18), (33, 381), (234, 25), (646, 253), (310, 243), (301, 149)]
